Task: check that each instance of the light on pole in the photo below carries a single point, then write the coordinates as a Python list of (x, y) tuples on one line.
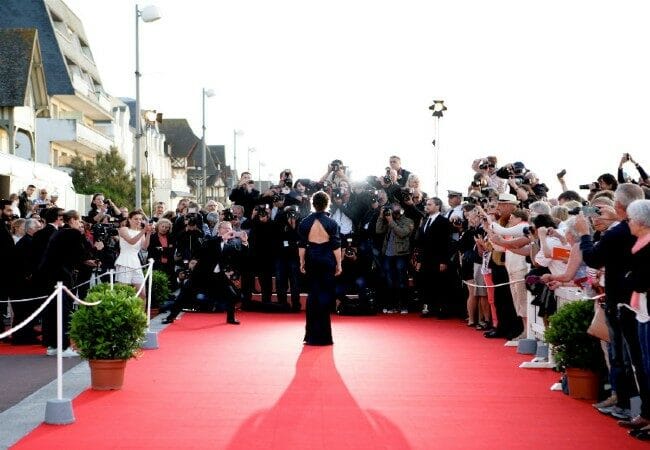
[(260, 164), (235, 133), (248, 164), (148, 14), (438, 108), (206, 93)]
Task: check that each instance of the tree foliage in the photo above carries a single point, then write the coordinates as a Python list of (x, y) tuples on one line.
[(109, 176)]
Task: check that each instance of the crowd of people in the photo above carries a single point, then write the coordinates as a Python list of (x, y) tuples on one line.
[(476, 256)]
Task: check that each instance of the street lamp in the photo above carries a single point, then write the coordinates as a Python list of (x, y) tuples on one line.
[(206, 93), (248, 165), (235, 133), (148, 14), (260, 164), (438, 108)]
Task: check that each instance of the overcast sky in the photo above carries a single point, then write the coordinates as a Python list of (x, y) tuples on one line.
[(555, 84)]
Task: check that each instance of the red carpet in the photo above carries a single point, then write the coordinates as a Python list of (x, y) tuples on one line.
[(388, 382), (7, 349)]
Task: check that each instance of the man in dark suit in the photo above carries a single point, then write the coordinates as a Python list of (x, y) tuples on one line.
[(217, 258), (25, 286), (7, 250), (433, 244), (614, 252), (395, 163), (53, 221)]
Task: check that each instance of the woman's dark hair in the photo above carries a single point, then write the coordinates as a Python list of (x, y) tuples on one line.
[(609, 180), (569, 195), (69, 215), (320, 200), (544, 220), (136, 212), (92, 202)]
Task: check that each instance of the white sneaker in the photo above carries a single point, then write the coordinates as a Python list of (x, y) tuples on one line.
[(69, 353), (404, 311)]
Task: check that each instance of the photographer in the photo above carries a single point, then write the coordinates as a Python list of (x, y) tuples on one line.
[(334, 175), (395, 250), (133, 238), (188, 240), (105, 231), (263, 240), (354, 281), (643, 176), (487, 169), (287, 271), (341, 213), (189, 212), (245, 194), (99, 205), (161, 249), (395, 163), (388, 183), (303, 190)]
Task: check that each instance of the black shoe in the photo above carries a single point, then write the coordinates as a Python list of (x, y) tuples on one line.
[(641, 434), (233, 321), (493, 334), (168, 320)]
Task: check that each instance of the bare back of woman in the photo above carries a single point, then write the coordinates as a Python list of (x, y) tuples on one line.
[(317, 233)]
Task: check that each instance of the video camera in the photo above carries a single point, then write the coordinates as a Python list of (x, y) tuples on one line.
[(261, 210), (591, 186), (104, 232)]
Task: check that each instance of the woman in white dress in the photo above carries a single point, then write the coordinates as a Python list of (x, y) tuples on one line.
[(133, 238)]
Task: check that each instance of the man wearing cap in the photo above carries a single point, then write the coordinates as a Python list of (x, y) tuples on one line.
[(509, 325), (454, 200)]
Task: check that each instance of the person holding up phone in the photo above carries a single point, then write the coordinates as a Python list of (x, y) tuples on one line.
[(133, 238)]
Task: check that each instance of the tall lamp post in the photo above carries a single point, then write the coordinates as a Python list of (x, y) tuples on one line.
[(248, 163), (235, 133), (206, 93), (438, 108), (260, 164), (148, 14)]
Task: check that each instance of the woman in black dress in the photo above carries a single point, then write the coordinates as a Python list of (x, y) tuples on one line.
[(320, 260)]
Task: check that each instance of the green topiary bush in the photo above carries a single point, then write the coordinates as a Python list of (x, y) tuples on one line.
[(160, 291), (567, 333), (104, 287), (113, 329)]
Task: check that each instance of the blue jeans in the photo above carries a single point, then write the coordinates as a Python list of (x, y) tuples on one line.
[(395, 271), (287, 273)]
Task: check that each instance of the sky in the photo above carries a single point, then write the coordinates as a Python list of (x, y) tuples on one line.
[(555, 84)]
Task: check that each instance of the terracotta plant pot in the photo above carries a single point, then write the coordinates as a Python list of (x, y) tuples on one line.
[(107, 374), (583, 384)]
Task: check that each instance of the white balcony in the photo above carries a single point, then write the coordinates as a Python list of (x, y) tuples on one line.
[(73, 134), (94, 104)]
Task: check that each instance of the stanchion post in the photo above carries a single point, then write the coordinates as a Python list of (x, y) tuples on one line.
[(151, 337), (111, 277), (59, 411), (149, 286)]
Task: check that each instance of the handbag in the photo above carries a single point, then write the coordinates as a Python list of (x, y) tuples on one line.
[(598, 327)]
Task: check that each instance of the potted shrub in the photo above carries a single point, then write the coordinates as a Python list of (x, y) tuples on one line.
[(160, 291), (575, 352), (109, 333)]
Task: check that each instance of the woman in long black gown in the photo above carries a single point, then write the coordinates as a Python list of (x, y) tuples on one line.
[(320, 260)]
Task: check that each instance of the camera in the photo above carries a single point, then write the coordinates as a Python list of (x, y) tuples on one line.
[(336, 165), (349, 252), (228, 215), (387, 179), (292, 213), (277, 198), (288, 182), (590, 186), (103, 232), (261, 211), (387, 211), (337, 193), (528, 230)]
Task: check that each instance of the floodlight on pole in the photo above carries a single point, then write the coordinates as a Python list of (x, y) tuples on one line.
[(438, 108), (205, 93), (148, 14), (248, 164)]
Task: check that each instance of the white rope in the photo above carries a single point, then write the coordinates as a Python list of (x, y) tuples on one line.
[(144, 281), (30, 318), (24, 299), (76, 299), (493, 286)]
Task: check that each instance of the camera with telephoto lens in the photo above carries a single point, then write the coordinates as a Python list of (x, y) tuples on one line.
[(387, 211), (337, 193), (590, 186), (261, 211), (104, 232)]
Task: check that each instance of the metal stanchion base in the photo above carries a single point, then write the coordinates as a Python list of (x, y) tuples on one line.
[(527, 346), (59, 412), (150, 340)]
